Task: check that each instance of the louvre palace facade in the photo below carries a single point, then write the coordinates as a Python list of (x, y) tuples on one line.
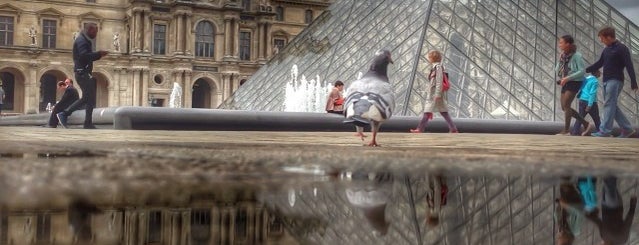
[(208, 47)]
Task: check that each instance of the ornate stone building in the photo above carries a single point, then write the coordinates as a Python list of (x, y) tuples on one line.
[(208, 47)]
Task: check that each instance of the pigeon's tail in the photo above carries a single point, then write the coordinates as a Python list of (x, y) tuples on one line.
[(356, 110)]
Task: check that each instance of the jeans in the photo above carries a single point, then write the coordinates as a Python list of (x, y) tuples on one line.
[(611, 110), (593, 112), (88, 87), (611, 197)]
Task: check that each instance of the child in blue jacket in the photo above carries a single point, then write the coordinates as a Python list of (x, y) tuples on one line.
[(588, 104)]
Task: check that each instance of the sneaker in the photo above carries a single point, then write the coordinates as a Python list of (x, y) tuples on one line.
[(589, 129), (563, 133), (601, 134), (415, 131), (62, 118), (89, 127), (627, 135)]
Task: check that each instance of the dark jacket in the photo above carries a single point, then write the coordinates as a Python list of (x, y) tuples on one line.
[(70, 95), (614, 59), (83, 55), (613, 228)]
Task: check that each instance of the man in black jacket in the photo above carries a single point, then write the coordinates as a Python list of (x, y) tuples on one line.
[(70, 95), (83, 58)]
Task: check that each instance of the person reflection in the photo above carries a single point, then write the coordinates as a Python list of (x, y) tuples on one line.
[(568, 214), (79, 216), (436, 197), (613, 228), (371, 193)]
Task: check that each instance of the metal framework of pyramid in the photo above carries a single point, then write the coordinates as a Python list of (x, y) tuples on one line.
[(500, 54), (480, 210)]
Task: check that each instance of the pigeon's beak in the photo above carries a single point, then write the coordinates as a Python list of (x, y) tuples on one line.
[(390, 60)]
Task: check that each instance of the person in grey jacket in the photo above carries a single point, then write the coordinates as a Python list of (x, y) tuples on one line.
[(83, 58)]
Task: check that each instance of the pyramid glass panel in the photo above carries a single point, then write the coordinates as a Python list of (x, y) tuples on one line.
[(500, 55)]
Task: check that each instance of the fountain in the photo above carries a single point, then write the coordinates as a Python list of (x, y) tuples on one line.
[(303, 95), (175, 99)]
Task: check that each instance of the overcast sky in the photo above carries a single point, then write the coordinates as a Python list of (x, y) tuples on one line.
[(629, 8)]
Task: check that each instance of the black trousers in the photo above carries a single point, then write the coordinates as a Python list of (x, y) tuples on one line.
[(53, 119), (88, 87)]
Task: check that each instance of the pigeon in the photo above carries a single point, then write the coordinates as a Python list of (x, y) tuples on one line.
[(370, 99)]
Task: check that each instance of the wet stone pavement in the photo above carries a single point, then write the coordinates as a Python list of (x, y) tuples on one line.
[(185, 187)]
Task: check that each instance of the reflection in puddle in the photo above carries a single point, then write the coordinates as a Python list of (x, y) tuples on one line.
[(348, 208), (75, 154)]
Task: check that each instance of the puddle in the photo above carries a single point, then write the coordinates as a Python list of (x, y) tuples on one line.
[(60, 154), (348, 207)]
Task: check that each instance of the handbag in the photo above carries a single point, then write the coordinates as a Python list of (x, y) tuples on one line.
[(445, 80), (339, 101)]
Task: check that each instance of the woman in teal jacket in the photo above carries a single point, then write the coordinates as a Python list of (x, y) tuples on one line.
[(571, 69)]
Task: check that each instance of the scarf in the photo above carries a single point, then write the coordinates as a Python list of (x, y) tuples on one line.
[(564, 69)]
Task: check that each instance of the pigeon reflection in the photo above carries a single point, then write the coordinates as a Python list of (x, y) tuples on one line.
[(370, 193)]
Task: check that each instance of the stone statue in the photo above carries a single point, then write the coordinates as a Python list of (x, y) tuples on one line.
[(33, 34), (75, 34), (116, 42)]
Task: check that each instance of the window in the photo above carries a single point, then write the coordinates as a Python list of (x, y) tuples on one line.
[(43, 228), (308, 17), (279, 13), (49, 33), (279, 44), (241, 224), (205, 39), (155, 228), (245, 45), (159, 39), (6, 31), (200, 227), (4, 228), (246, 4)]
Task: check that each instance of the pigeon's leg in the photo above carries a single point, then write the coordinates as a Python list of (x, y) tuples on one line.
[(360, 132), (375, 128)]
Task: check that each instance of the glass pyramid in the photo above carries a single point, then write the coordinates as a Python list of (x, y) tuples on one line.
[(500, 55)]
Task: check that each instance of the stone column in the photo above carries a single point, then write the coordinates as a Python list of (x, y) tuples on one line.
[(137, 40), (250, 220), (186, 227), (265, 223), (142, 227), (148, 35), (232, 212), (269, 39), (236, 37), (228, 35), (145, 87), (223, 228), (174, 232), (260, 39), (130, 218), (179, 33), (123, 86), (188, 31), (258, 226), (188, 89), (215, 225), (136, 86), (32, 90)]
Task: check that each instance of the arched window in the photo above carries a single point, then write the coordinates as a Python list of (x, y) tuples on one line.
[(308, 17), (279, 13), (204, 39)]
